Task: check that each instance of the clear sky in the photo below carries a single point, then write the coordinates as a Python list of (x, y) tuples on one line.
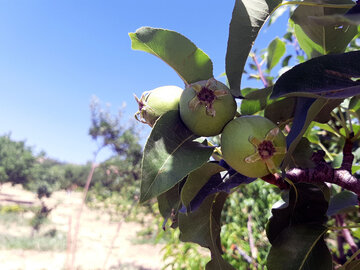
[(55, 55)]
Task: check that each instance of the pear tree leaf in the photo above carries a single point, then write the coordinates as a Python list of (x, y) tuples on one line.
[(300, 247), (328, 76), (301, 157), (275, 51), (331, 38), (308, 207), (353, 265), (310, 48), (247, 19), (281, 111), (196, 180), (255, 101), (188, 61), (170, 154), (296, 230), (203, 227), (169, 204), (217, 183), (341, 202), (306, 111)]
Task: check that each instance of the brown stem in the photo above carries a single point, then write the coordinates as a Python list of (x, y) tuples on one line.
[(117, 232), (340, 242), (322, 172), (276, 180), (348, 157), (253, 249), (78, 217), (347, 235), (242, 253)]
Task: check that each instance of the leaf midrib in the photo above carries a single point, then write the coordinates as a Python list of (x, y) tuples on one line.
[(165, 161)]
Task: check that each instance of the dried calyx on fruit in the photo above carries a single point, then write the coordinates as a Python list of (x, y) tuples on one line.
[(155, 103), (206, 107), (253, 145)]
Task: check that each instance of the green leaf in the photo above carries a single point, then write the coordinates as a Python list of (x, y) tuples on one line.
[(203, 227), (354, 105), (326, 127), (170, 154), (189, 62), (344, 20), (329, 76), (305, 205), (341, 202), (354, 265), (286, 60), (301, 157), (330, 38), (169, 204), (311, 49), (275, 51), (324, 115), (196, 180), (247, 19), (300, 247), (281, 111), (218, 265), (255, 101)]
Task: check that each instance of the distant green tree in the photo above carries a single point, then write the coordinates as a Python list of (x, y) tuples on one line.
[(121, 172), (16, 161)]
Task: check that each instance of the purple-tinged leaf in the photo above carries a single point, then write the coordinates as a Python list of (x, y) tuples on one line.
[(342, 202), (218, 183), (306, 111), (329, 76)]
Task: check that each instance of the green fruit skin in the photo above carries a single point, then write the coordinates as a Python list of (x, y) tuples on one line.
[(235, 144), (161, 100), (198, 121)]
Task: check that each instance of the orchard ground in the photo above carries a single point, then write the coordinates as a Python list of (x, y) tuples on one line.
[(94, 240)]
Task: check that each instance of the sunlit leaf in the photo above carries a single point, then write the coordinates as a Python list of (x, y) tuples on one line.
[(189, 62), (275, 51), (255, 101)]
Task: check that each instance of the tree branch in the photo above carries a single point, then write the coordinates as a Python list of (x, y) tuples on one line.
[(322, 172), (261, 74)]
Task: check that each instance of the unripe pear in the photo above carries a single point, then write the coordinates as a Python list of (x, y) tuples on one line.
[(206, 107), (253, 145), (156, 102)]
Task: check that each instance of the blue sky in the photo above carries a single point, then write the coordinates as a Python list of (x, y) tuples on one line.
[(56, 55)]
